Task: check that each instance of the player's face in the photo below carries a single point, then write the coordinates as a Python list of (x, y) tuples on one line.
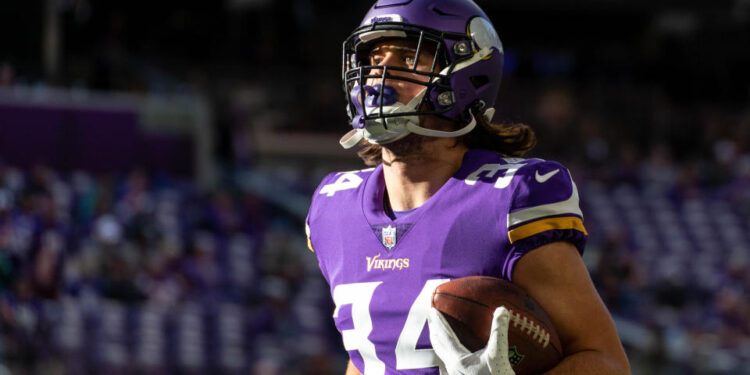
[(402, 53)]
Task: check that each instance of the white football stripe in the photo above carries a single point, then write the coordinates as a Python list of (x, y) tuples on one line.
[(568, 206)]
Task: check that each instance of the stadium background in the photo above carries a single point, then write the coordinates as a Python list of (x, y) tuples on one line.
[(157, 158)]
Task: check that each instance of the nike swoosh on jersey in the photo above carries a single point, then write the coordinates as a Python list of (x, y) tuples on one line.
[(543, 178)]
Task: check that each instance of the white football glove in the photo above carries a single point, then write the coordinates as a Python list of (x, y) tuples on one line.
[(457, 360)]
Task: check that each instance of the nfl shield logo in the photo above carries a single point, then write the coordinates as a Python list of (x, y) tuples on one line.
[(389, 237), (514, 357)]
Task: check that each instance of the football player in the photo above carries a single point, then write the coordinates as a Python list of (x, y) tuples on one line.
[(448, 196)]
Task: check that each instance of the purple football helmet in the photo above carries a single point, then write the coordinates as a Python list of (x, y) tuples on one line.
[(467, 52)]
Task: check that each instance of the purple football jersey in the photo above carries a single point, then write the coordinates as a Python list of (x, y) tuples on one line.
[(382, 271)]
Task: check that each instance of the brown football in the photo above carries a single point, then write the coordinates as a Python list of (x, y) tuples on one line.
[(468, 304)]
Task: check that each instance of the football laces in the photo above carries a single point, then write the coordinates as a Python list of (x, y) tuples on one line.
[(537, 332)]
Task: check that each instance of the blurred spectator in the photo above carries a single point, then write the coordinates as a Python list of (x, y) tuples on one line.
[(7, 74)]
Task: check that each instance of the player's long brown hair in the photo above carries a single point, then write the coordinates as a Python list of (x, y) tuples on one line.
[(507, 139)]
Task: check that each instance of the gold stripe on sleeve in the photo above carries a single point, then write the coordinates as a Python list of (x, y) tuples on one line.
[(309, 245), (539, 226)]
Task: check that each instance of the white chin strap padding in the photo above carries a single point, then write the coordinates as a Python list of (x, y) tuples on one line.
[(351, 138), (489, 114), (457, 133), (443, 134)]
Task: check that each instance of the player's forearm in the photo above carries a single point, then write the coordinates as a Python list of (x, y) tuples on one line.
[(351, 370), (590, 362)]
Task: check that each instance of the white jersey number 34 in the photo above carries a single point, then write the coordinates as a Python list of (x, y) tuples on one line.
[(408, 356)]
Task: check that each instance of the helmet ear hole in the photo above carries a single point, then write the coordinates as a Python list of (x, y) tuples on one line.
[(479, 81)]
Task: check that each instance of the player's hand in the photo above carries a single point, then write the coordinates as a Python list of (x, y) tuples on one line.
[(457, 360)]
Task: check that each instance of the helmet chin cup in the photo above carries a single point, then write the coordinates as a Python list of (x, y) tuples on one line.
[(382, 130)]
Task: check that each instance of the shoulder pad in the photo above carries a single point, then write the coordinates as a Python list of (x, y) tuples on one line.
[(541, 182), (545, 197)]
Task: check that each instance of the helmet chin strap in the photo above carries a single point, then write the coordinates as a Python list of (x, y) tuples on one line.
[(443, 134), (351, 138)]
